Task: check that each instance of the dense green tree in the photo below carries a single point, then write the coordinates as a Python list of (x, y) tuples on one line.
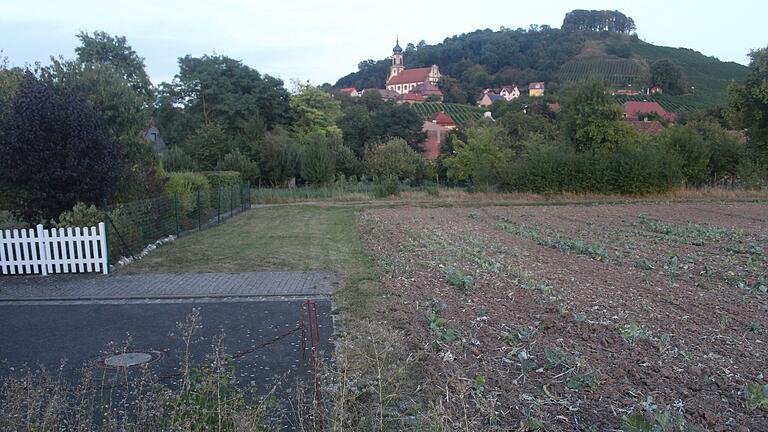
[(218, 89), (398, 120), (692, 150), (313, 110), (124, 113), (207, 145), (175, 159), (278, 157), (236, 161), (669, 77), (102, 48), (318, 160), (591, 118), (726, 152), (480, 159), (749, 106), (54, 151), (598, 21), (356, 127), (392, 158)]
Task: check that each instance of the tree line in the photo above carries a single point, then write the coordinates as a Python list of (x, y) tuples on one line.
[(598, 21)]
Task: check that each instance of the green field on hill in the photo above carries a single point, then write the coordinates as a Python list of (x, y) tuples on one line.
[(461, 114)]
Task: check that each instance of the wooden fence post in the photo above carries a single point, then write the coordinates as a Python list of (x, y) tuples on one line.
[(42, 240), (104, 247)]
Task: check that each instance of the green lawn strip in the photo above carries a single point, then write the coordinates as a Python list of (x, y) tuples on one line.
[(279, 238)]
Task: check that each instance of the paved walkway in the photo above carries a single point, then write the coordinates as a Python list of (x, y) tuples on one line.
[(166, 286)]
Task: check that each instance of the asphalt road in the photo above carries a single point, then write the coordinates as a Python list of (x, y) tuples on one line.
[(263, 335)]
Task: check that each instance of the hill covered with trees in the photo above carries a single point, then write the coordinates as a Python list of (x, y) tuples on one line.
[(590, 44)]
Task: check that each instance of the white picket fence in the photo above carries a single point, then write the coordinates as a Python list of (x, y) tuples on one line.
[(57, 250)]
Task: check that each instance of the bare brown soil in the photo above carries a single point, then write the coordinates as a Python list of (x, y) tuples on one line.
[(581, 317)]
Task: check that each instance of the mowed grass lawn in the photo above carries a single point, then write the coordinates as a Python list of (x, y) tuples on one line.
[(280, 238)]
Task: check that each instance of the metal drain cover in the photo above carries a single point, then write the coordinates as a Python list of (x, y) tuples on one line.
[(128, 359)]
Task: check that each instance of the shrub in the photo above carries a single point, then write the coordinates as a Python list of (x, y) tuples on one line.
[(236, 161), (393, 158), (81, 215), (185, 186), (692, 150), (318, 161), (54, 151), (219, 179), (174, 159), (390, 186)]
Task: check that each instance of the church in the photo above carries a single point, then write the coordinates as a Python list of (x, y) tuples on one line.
[(403, 81)]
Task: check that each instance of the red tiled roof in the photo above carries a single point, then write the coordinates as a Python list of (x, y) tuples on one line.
[(651, 127), (633, 108), (427, 89), (554, 107), (536, 85), (442, 119), (408, 76), (348, 90)]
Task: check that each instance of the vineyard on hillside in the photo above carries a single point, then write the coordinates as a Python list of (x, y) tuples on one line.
[(616, 73), (676, 104), (461, 114)]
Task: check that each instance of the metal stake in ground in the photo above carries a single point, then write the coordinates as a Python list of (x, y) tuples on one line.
[(310, 307)]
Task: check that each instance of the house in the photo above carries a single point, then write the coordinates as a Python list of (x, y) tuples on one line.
[(153, 135), (350, 91), (402, 80), (437, 128), (489, 98), (510, 92), (427, 89), (657, 89), (491, 95), (536, 89), (634, 109)]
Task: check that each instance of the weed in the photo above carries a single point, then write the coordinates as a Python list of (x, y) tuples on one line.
[(473, 215), (439, 327), (581, 380), (459, 279), (755, 328), (580, 247), (757, 396), (556, 358), (633, 333)]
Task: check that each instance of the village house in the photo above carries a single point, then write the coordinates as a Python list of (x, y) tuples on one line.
[(402, 80), (490, 96), (536, 89), (350, 91), (634, 110), (437, 128)]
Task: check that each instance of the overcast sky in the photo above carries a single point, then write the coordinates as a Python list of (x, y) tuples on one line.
[(321, 41)]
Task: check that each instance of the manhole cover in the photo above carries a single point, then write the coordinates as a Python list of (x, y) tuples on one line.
[(128, 359)]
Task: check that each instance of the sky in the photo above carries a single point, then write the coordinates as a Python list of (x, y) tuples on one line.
[(321, 41)]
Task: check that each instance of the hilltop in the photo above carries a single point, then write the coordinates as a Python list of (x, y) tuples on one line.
[(486, 58)]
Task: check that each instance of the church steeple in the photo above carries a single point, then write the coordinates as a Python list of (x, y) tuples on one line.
[(397, 60)]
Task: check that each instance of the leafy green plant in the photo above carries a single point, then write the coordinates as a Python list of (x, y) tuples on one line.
[(80, 215), (757, 396), (459, 279), (581, 380), (633, 333), (390, 186), (555, 358), (439, 327)]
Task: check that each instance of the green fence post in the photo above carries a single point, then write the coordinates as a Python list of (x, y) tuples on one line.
[(199, 212), (176, 211), (218, 206), (106, 233), (231, 201)]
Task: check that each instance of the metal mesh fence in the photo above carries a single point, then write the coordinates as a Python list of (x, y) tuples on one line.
[(134, 225)]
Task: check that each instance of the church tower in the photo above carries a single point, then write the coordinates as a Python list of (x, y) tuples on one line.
[(397, 60)]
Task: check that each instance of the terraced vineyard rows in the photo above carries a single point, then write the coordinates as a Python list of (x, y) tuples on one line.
[(461, 114), (676, 104), (614, 72)]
